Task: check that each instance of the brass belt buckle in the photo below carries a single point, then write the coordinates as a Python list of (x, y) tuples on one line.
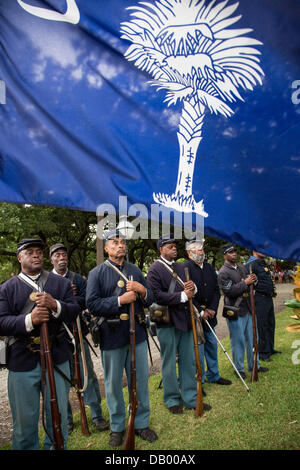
[(36, 340), (124, 316), (158, 313)]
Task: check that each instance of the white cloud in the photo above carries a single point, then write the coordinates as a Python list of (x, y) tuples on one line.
[(56, 46), (94, 81), (107, 71), (257, 170), (39, 71), (172, 118), (230, 132), (77, 73)]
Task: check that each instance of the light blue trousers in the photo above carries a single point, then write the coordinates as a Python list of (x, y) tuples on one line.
[(91, 396), (241, 340), (114, 362), (24, 391), (175, 342), (209, 351)]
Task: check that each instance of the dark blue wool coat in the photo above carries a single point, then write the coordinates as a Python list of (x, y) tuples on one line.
[(159, 279), (208, 292), (102, 301), (13, 296)]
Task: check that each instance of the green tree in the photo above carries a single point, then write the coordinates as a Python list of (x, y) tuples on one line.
[(76, 229)]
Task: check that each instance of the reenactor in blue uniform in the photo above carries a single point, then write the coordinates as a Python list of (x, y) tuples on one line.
[(20, 320), (207, 301), (264, 307), (92, 397), (234, 282), (175, 332), (109, 297)]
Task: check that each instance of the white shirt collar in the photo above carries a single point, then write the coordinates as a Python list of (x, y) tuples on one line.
[(55, 272), (166, 261), (34, 278)]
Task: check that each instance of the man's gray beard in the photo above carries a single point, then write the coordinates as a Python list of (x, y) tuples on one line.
[(198, 259)]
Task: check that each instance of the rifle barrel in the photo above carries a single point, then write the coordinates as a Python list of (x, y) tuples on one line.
[(56, 423), (199, 401), (83, 418), (254, 374), (129, 441)]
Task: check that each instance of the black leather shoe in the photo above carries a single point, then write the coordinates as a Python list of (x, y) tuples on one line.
[(116, 438), (242, 374), (222, 381), (101, 425), (176, 409), (206, 407), (263, 369), (147, 434), (70, 428)]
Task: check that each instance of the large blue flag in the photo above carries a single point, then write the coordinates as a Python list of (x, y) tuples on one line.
[(190, 104)]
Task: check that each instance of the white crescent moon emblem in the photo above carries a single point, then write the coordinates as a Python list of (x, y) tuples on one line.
[(72, 14)]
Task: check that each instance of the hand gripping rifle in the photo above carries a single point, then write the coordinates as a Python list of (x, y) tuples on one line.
[(129, 437), (254, 375), (199, 402), (79, 389), (47, 364)]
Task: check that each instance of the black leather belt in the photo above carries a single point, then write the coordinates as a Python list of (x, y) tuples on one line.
[(264, 294)]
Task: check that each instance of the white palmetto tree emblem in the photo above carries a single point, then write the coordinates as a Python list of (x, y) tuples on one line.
[(188, 48)]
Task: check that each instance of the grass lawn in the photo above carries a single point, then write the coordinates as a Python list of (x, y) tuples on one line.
[(266, 418)]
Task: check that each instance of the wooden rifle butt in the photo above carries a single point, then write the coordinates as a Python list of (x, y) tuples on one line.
[(55, 415), (129, 441), (83, 418), (199, 411)]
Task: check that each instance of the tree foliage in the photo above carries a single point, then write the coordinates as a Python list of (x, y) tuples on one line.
[(78, 231)]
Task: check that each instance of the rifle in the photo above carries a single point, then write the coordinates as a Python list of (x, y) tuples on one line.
[(129, 437), (254, 375), (78, 388), (199, 402), (46, 363)]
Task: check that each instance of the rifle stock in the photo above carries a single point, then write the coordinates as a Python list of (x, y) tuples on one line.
[(199, 401), (129, 441), (46, 358), (83, 417), (254, 374)]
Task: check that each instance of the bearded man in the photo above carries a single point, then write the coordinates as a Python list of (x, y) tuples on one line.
[(206, 300)]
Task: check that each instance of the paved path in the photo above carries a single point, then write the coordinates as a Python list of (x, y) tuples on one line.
[(284, 291)]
